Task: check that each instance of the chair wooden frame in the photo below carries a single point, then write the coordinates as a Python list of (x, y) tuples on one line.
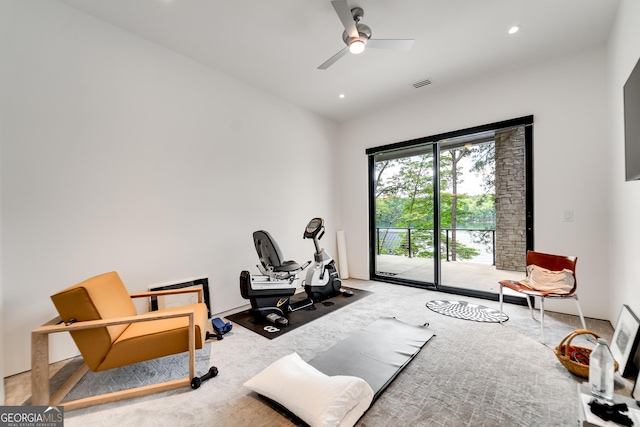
[(40, 357), (550, 262)]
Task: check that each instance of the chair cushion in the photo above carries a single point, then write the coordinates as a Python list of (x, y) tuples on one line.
[(316, 398), (149, 340), (100, 297)]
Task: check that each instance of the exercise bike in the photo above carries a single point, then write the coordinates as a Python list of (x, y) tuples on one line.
[(323, 280), (270, 292)]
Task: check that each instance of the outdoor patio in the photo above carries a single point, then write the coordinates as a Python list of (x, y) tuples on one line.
[(459, 274)]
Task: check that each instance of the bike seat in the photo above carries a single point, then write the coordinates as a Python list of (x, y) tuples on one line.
[(287, 266), (270, 254)]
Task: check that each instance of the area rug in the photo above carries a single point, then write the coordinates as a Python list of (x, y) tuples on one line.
[(297, 318), (154, 371), (467, 311)]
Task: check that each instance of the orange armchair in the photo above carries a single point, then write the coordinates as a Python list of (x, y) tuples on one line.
[(100, 316)]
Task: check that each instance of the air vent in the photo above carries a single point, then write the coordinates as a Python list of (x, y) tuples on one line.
[(422, 83)]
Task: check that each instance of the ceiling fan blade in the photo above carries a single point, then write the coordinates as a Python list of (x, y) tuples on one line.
[(329, 62), (344, 13), (397, 44)]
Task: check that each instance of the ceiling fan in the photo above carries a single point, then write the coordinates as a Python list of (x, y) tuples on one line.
[(357, 36)]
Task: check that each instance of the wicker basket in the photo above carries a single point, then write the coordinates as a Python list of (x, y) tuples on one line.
[(569, 354)]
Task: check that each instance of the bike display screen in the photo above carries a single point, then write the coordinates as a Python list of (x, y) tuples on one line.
[(313, 227)]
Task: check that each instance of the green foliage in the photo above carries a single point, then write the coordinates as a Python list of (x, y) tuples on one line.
[(482, 211), (405, 199), (464, 252), (388, 211), (484, 165)]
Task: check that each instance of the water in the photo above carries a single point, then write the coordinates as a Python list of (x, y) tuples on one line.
[(395, 236), (486, 254)]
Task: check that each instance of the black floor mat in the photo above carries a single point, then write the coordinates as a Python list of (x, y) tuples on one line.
[(297, 318)]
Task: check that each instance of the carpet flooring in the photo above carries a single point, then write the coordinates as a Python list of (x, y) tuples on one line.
[(469, 374), (141, 374)]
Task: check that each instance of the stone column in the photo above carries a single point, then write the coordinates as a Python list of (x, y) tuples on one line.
[(510, 200)]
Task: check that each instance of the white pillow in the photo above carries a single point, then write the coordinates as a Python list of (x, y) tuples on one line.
[(316, 398)]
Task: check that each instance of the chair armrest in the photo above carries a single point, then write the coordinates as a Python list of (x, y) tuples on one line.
[(51, 327), (169, 292)]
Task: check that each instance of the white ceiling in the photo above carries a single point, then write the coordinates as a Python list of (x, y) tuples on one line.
[(277, 45)]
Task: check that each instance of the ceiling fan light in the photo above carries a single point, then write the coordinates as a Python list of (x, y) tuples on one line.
[(356, 47)]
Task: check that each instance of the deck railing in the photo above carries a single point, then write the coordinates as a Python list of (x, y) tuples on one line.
[(396, 243)]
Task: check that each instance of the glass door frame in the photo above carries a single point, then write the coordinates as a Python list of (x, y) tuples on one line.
[(527, 123)]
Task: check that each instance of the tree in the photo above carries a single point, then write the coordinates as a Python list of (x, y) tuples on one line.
[(404, 198), (484, 165), (404, 190), (380, 167), (388, 212), (456, 155)]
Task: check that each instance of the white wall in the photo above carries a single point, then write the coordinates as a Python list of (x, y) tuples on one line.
[(624, 200), (567, 98), (118, 154)]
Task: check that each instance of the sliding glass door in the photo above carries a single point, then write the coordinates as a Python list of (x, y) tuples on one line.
[(453, 211), (405, 243)]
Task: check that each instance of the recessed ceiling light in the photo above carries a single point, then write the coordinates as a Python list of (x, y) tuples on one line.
[(514, 29), (341, 96)]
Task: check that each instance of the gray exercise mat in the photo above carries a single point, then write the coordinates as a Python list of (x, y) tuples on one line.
[(376, 353)]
